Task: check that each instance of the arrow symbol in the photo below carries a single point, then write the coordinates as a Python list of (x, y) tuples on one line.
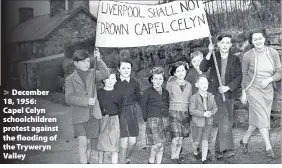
[(6, 92)]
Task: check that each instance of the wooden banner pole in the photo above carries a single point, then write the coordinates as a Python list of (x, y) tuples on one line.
[(217, 70), (95, 60)]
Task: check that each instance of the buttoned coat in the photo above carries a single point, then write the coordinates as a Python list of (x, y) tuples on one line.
[(197, 110), (77, 94), (233, 74), (178, 99)]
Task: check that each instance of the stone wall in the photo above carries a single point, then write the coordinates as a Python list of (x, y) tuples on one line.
[(77, 29), (80, 28), (168, 54), (27, 50), (42, 73)]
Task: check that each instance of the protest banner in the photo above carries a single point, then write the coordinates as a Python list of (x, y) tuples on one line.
[(133, 25)]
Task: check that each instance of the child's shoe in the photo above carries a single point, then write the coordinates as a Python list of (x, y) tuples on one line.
[(209, 155), (180, 160), (174, 161), (198, 156), (218, 155), (270, 154), (205, 162), (229, 153), (244, 146)]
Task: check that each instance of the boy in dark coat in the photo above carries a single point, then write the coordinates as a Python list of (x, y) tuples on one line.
[(231, 76), (79, 94)]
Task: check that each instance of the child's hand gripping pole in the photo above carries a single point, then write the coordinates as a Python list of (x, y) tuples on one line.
[(217, 70)]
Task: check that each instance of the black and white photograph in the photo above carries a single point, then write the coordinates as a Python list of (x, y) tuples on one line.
[(141, 82)]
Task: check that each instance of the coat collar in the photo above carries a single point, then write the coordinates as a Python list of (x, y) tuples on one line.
[(127, 79), (199, 99), (173, 82), (77, 78), (172, 79), (229, 61), (152, 88)]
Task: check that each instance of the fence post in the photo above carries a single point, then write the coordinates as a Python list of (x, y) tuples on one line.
[(257, 12)]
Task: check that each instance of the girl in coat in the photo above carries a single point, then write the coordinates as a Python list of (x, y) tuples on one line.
[(154, 104), (180, 92), (110, 103), (131, 96)]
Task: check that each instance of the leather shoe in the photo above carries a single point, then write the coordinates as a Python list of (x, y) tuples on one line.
[(198, 156), (244, 146), (229, 154), (218, 155), (205, 162), (209, 155), (180, 160), (174, 161), (270, 154)]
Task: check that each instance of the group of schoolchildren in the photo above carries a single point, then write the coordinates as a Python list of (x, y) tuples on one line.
[(107, 121)]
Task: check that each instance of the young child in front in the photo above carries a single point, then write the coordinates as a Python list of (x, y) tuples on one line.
[(180, 92), (154, 104), (131, 95), (202, 108), (196, 59), (110, 103), (79, 94)]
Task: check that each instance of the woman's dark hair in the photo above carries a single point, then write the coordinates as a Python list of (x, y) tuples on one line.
[(221, 36), (151, 78), (156, 70), (126, 61), (176, 65), (261, 30), (80, 55)]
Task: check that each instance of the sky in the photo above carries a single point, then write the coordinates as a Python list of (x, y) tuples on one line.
[(43, 8)]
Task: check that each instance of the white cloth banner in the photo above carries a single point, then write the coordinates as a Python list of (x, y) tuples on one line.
[(132, 25)]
